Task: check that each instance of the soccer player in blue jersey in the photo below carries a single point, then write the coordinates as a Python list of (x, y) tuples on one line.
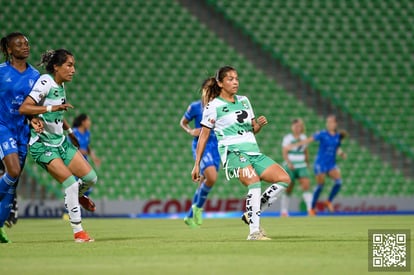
[(325, 163), (81, 130), (17, 78), (210, 162)]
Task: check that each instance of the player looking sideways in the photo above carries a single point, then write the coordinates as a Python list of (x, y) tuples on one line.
[(296, 165), (210, 161), (232, 119), (325, 163), (51, 149), (81, 129), (16, 80)]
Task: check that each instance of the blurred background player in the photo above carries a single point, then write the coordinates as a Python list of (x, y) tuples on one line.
[(51, 148), (325, 163), (16, 80), (210, 161), (296, 162), (232, 118)]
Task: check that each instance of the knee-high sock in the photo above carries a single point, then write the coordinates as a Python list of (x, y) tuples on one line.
[(284, 203), (87, 182), (6, 181), (194, 201), (253, 206), (316, 194), (71, 186), (307, 197), (271, 194), (6, 205), (335, 189), (202, 196)]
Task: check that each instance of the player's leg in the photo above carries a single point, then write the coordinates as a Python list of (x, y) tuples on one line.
[(273, 173), (304, 181), (320, 180), (285, 197), (188, 219), (335, 174)]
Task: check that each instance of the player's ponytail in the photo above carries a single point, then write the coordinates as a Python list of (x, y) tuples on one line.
[(210, 89), (342, 134), (4, 43), (54, 57)]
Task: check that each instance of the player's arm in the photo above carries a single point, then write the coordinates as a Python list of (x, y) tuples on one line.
[(301, 143), (184, 124), (258, 124), (93, 156), (73, 138), (201, 146), (307, 156), (285, 152), (30, 107), (341, 153)]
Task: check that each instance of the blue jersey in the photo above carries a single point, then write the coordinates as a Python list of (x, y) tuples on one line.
[(14, 87), (195, 112), (83, 139), (328, 146)]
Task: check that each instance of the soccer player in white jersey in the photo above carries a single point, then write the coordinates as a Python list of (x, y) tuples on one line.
[(232, 119), (51, 149), (296, 162)]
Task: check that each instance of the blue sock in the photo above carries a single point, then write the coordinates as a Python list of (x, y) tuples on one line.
[(6, 205), (195, 199), (316, 194), (335, 189), (5, 183), (204, 190)]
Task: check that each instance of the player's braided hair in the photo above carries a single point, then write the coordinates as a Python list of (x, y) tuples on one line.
[(5, 43), (211, 89), (54, 57)]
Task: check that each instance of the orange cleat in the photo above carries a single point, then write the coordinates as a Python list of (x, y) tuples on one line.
[(83, 237), (284, 214), (312, 213), (330, 207), (87, 203)]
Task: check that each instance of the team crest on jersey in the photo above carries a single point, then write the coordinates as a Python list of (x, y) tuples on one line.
[(245, 105), (48, 154), (5, 145), (31, 82), (242, 158)]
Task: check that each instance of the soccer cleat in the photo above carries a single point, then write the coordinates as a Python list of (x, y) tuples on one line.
[(190, 222), (330, 207), (14, 215), (312, 213), (257, 236), (284, 214), (83, 237), (197, 215), (245, 218), (87, 203), (3, 236)]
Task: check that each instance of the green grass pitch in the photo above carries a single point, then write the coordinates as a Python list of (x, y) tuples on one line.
[(321, 245)]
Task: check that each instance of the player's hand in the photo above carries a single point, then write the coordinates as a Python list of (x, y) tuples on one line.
[(290, 165), (343, 155), (195, 173), (195, 132), (262, 121), (74, 140), (64, 107), (37, 124)]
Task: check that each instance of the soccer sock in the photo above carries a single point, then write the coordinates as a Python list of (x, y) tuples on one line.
[(307, 197), (335, 189), (316, 194), (195, 199), (253, 206), (284, 203), (6, 181), (6, 205), (87, 182), (202, 196), (271, 194), (71, 186)]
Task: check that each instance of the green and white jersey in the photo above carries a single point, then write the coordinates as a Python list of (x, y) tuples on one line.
[(297, 154), (232, 124), (47, 92)]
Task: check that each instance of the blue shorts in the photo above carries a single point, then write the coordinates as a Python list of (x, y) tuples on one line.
[(323, 168), (211, 157), (14, 140)]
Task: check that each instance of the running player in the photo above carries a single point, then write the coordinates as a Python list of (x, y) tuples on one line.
[(232, 118), (325, 163), (51, 149), (16, 80), (296, 164), (210, 161), (81, 129)]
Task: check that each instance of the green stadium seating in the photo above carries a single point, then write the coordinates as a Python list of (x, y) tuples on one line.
[(139, 65)]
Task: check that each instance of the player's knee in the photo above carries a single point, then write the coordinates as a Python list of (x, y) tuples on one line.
[(91, 177), (13, 172)]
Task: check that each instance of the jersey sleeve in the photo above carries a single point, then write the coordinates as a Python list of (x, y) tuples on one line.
[(286, 141), (189, 114), (209, 116), (250, 108), (41, 88), (317, 136)]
